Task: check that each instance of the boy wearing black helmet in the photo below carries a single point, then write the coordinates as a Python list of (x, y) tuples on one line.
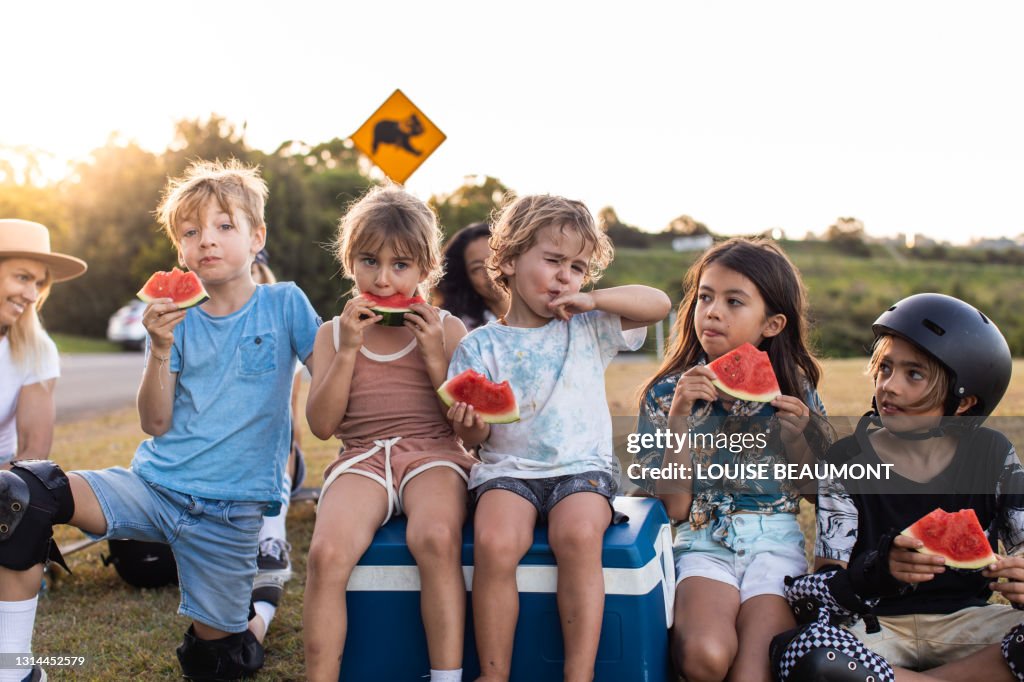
[(939, 368)]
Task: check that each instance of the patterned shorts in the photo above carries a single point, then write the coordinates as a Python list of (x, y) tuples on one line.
[(545, 493)]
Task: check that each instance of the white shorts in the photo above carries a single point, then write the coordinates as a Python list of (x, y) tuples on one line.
[(765, 549)]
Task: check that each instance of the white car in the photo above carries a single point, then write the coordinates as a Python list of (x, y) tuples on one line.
[(125, 326)]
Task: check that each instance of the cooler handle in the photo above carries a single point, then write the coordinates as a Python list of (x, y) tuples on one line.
[(663, 552)]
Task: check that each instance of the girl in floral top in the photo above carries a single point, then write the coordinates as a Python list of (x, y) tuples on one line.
[(742, 538)]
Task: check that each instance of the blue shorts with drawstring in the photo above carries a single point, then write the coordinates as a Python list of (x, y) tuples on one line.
[(215, 542)]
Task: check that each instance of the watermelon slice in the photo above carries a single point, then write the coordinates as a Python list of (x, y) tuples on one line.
[(392, 308), (494, 402), (746, 373), (957, 537), (184, 288)]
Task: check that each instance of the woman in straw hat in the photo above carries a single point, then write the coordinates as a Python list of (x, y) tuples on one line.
[(28, 371), (28, 358)]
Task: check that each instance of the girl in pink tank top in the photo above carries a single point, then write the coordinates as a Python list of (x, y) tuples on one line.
[(374, 387)]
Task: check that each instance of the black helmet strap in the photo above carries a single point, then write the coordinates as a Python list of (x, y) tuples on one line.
[(873, 418)]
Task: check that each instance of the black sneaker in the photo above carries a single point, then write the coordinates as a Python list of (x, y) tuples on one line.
[(274, 569), (36, 674)]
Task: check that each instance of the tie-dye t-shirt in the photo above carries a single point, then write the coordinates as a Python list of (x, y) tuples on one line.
[(557, 374)]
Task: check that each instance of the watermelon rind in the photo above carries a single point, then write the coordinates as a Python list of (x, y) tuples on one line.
[(200, 297), (976, 564), (391, 316), (507, 417), (743, 395)]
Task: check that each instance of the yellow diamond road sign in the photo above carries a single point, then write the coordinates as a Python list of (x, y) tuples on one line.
[(398, 137)]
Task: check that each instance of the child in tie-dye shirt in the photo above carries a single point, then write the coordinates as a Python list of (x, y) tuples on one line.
[(556, 462)]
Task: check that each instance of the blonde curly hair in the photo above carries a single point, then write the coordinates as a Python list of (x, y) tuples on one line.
[(520, 219)]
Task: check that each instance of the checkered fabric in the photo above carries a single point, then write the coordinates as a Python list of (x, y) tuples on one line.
[(1013, 651), (845, 657), (808, 594)]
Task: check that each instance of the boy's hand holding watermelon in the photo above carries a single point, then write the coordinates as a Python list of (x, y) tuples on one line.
[(910, 566), (160, 318), (1012, 569), (168, 295)]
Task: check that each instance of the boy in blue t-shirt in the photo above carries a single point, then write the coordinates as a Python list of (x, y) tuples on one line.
[(215, 396)]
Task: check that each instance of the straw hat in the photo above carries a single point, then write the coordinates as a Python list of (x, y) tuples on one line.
[(25, 239)]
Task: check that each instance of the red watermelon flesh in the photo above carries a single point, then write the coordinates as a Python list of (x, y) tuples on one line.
[(746, 373), (392, 309), (496, 403), (183, 288), (957, 537)]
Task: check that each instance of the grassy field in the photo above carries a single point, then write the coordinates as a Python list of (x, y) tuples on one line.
[(130, 633), (847, 292), (67, 343)]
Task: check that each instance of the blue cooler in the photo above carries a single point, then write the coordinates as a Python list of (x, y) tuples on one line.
[(385, 633)]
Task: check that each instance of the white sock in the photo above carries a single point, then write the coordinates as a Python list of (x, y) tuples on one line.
[(265, 610), (16, 621), (446, 675), (274, 526)]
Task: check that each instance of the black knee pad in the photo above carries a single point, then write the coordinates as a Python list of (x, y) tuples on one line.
[(1013, 651), (143, 564), (29, 538), (820, 651), (14, 497), (231, 658)]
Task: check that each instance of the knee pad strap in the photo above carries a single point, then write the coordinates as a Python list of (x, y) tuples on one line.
[(30, 539), (231, 658), (830, 590)]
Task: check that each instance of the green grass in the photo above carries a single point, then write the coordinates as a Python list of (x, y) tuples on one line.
[(68, 343), (127, 633), (847, 293)]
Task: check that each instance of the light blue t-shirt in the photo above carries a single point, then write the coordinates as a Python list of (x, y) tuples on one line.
[(557, 375), (231, 425)]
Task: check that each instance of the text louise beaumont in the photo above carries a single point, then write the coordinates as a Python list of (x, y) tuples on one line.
[(761, 471)]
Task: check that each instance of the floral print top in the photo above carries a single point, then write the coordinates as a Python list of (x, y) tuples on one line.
[(716, 499)]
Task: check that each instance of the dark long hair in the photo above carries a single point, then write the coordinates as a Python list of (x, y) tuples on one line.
[(778, 281), (457, 293)]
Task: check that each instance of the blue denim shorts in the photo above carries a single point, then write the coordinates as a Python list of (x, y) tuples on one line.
[(765, 548), (545, 493), (215, 542)]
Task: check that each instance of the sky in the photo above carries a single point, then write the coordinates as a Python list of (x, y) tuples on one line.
[(744, 115)]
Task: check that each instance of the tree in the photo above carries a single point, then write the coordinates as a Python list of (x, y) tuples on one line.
[(686, 226), (210, 140), (310, 188), (474, 201), (847, 235), (109, 202), (621, 234)]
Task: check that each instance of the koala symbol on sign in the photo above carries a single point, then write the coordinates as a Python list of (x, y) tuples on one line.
[(397, 133)]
